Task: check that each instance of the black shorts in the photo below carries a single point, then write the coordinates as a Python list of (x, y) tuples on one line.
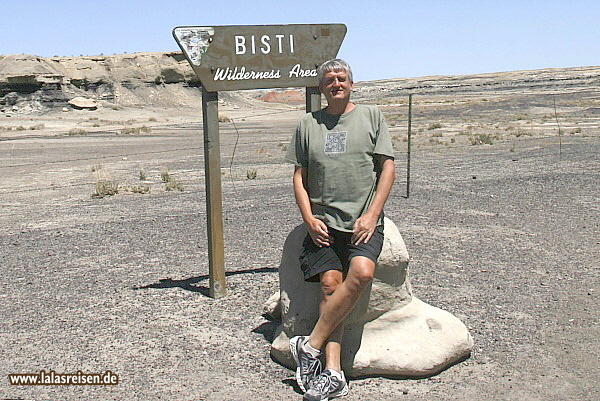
[(315, 260)]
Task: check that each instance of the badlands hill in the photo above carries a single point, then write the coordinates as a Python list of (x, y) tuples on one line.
[(35, 84)]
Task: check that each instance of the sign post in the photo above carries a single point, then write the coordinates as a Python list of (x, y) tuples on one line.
[(313, 99), (239, 57), (214, 207)]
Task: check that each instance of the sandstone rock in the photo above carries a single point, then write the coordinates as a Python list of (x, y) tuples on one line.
[(389, 332), (83, 103), (272, 308)]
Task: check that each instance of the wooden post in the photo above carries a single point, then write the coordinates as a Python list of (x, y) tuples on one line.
[(214, 208), (313, 99), (408, 152)]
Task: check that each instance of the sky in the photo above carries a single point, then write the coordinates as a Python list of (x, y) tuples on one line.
[(385, 39)]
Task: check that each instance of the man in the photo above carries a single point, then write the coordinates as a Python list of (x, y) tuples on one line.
[(344, 171)]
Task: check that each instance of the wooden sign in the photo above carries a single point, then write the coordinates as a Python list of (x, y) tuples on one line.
[(259, 56)]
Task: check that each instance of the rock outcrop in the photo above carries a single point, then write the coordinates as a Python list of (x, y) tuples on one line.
[(390, 332), (135, 79), (31, 83)]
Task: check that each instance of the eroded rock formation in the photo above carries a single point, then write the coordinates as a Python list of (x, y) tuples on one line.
[(390, 332)]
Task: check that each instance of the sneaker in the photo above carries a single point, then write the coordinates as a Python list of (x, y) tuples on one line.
[(308, 367), (327, 385)]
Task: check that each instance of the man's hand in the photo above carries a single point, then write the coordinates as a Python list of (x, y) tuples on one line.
[(318, 232), (363, 229)]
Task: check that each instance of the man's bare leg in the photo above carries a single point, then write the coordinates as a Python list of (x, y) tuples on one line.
[(343, 299), (330, 281)]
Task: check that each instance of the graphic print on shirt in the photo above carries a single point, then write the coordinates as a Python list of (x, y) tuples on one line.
[(335, 143)]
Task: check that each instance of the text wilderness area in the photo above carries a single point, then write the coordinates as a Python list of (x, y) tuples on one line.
[(259, 56)]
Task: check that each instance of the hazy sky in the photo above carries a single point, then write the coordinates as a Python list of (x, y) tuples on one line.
[(385, 39)]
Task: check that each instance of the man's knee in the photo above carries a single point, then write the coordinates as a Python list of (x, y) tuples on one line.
[(330, 281), (362, 270)]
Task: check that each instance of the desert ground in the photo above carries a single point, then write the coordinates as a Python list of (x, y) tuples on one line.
[(103, 247)]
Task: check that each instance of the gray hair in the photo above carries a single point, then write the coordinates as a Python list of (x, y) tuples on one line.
[(333, 65)]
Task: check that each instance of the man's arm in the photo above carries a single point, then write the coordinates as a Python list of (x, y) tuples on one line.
[(364, 227), (316, 228)]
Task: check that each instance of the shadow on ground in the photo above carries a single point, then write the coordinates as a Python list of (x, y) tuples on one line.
[(191, 284)]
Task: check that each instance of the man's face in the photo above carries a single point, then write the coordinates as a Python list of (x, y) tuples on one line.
[(336, 86)]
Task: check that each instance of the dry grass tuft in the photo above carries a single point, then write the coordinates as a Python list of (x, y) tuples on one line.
[(171, 183), (174, 185), (76, 131), (481, 139), (136, 130), (251, 174), (224, 118), (105, 185), (139, 189)]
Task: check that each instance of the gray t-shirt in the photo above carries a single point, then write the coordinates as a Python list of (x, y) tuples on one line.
[(338, 153)]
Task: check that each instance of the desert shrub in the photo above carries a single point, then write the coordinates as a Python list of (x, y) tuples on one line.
[(434, 126), (481, 139), (129, 131), (143, 175), (165, 176), (436, 141), (37, 127), (174, 185), (522, 116), (522, 133), (251, 174), (224, 118), (105, 187), (171, 183), (20, 128), (135, 130), (139, 189), (76, 131)]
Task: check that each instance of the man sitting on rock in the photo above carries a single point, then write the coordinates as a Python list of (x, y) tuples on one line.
[(344, 173)]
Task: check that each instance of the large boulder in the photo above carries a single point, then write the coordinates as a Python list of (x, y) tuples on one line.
[(389, 332), (83, 103)]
